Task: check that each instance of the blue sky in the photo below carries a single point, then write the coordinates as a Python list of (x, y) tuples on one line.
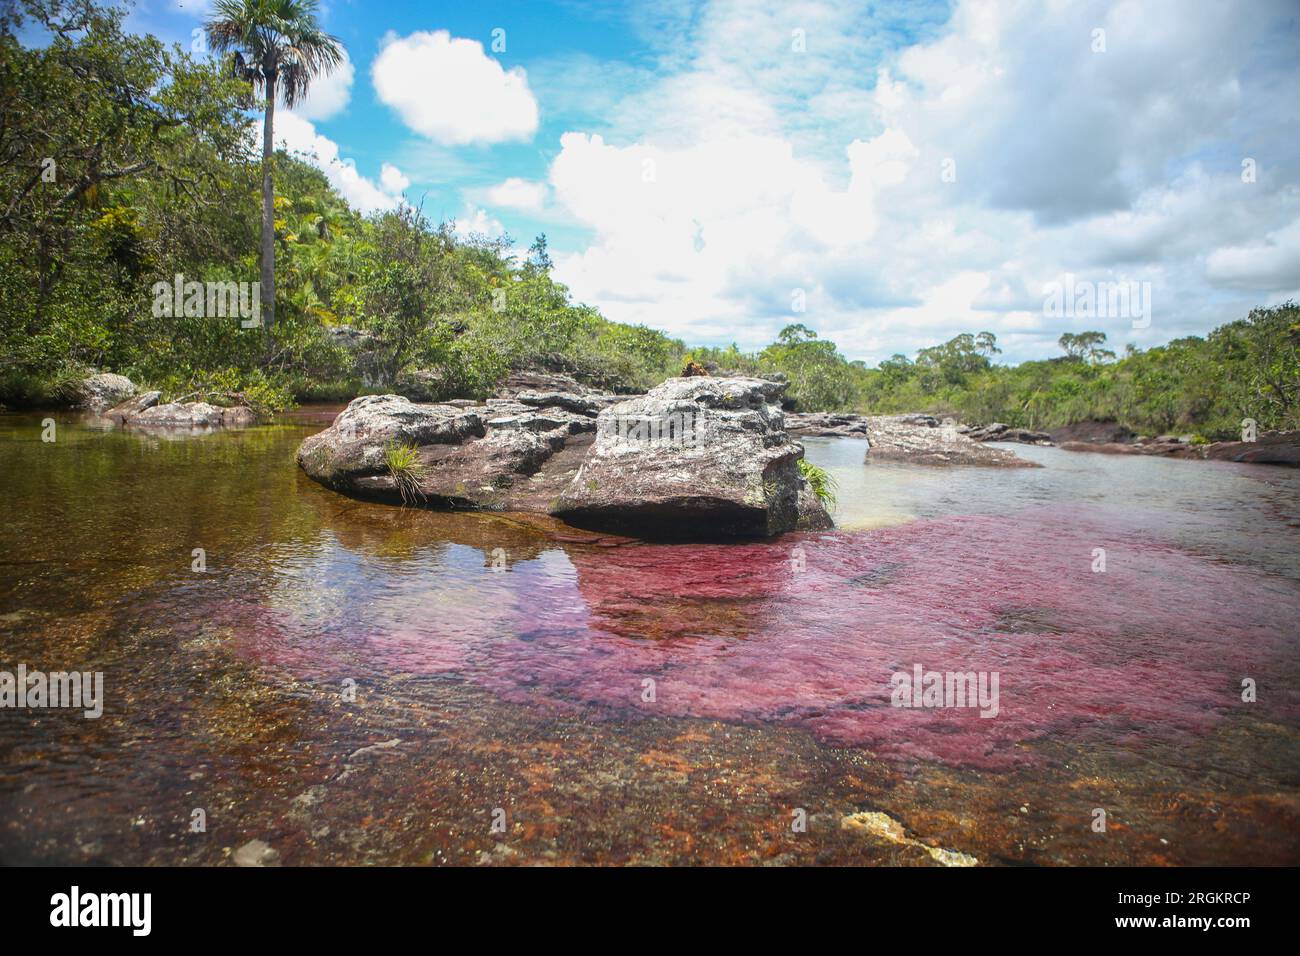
[(889, 174)]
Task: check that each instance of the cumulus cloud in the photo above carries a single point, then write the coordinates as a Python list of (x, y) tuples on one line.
[(910, 195), (475, 221), (299, 135), (447, 89), (329, 94), (1272, 264), (521, 194), (392, 179)]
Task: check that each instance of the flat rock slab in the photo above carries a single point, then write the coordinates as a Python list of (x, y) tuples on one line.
[(924, 440), (190, 415), (1272, 448)]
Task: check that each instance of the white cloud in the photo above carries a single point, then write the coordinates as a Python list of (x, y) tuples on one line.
[(328, 95), (449, 90), (299, 135), (476, 222), (1272, 264), (521, 194), (775, 172), (392, 179)]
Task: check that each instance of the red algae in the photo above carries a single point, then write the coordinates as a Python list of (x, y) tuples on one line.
[(809, 629)]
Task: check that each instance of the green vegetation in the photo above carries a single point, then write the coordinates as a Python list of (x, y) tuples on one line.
[(1205, 386), (124, 164), (403, 463), (819, 479)]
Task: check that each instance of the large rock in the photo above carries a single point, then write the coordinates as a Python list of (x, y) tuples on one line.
[(695, 457), (467, 457), (924, 440), (1272, 448), (354, 445), (102, 390), (523, 453)]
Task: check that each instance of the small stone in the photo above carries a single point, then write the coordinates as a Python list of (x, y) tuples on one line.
[(256, 853)]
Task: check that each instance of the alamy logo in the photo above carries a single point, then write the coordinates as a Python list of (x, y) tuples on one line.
[(938, 689), (56, 689), (677, 430), (103, 909), (210, 300), (1098, 300)]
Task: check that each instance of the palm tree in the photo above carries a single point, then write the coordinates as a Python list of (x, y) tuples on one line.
[(279, 48)]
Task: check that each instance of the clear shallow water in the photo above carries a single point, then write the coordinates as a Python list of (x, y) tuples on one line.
[(523, 686)]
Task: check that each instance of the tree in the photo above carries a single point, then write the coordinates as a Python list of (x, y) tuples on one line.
[(279, 48), (1086, 346), (962, 355), (115, 156), (820, 379), (539, 259)]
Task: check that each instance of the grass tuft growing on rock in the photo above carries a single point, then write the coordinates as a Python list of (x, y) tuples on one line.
[(404, 466), (823, 485)]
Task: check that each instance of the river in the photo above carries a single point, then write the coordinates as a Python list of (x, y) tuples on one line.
[(357, 683)]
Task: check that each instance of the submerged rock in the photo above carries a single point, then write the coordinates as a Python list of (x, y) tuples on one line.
[(102, 390), (885, 827), (694, 457)]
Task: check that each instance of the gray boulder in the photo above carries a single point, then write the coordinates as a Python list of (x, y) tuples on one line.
[(695, 457), (102, 390), (467, 458), (190, 415), (354, 445)]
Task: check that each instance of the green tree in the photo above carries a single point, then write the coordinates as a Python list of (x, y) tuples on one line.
[(278, 47), (114, 154), (1085, 347), (820, 378)]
